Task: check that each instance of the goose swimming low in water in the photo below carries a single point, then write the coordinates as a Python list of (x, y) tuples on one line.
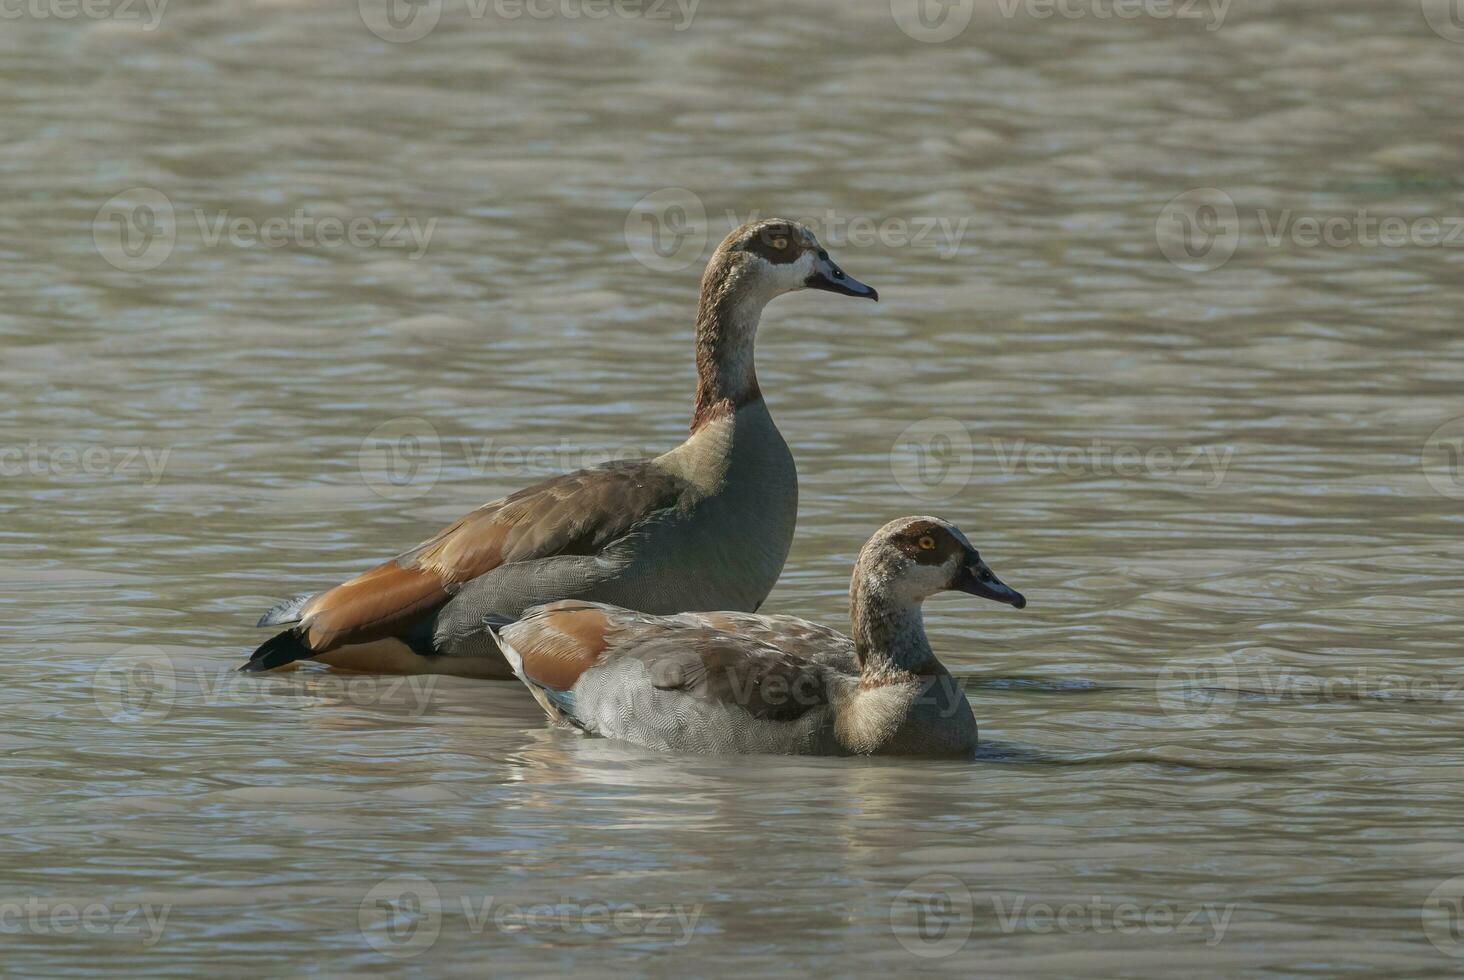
[(722, 683), (704, 526)]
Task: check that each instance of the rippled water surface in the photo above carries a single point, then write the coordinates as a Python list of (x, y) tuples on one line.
[(1224, 735)]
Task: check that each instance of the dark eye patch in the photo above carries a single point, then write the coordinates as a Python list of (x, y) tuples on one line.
[(945, 544), (776, 243)]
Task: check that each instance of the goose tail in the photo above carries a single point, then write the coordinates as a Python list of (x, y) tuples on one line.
[(285, 612), (283, 648), (550, 700)]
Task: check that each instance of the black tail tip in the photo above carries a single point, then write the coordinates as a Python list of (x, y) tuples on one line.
[(283, 648)]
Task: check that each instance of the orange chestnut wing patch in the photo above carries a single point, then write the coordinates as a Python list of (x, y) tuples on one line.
[(370, 606), (575, 514), (561, 641)]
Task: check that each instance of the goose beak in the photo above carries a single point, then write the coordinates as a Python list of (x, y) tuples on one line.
[(829, 277), (975, 578)]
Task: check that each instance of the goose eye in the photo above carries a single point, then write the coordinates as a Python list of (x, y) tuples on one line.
[(780, 243), (926, 543)]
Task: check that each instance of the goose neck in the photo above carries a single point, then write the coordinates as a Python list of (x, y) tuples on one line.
[(726, 330)]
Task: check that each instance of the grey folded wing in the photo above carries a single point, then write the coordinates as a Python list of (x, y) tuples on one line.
[(578, 513), (695, 682)]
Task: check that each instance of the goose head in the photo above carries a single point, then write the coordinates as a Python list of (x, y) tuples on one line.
[(913, 558), (779, 255)]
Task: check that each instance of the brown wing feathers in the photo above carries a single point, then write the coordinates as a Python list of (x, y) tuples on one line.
[(561, 641), (371, 606), (575, 514)]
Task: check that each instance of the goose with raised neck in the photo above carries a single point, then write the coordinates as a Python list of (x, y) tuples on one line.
[(729, 682), (705, 526)]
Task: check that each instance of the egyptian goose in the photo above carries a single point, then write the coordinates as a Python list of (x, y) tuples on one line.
[(705, 526), (722, 683)]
